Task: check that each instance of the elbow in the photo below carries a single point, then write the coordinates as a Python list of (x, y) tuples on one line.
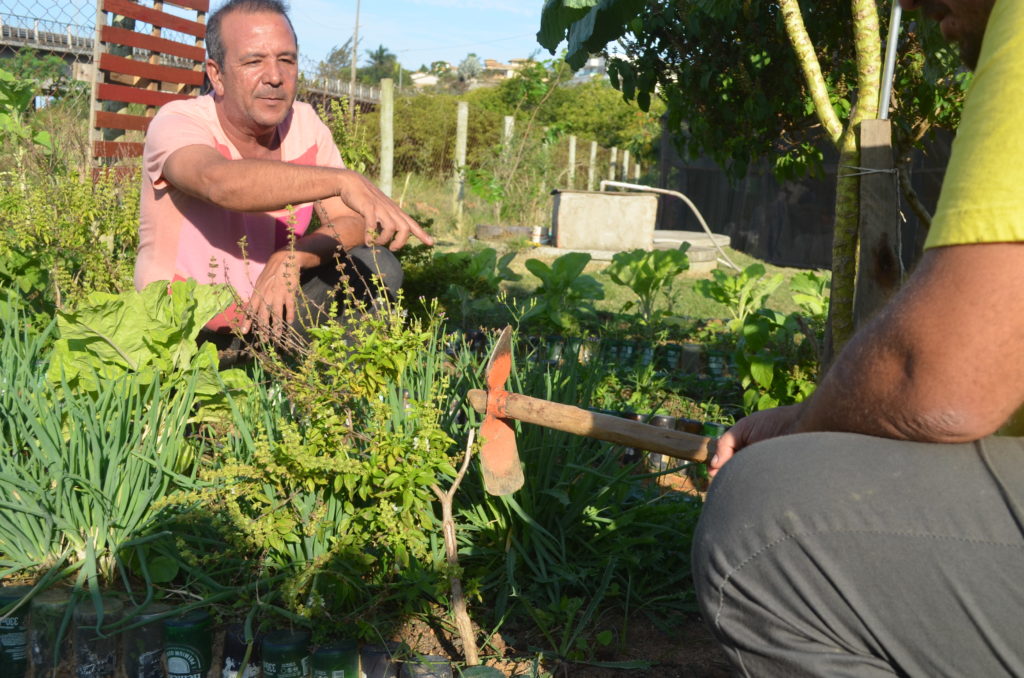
[(950, 424)]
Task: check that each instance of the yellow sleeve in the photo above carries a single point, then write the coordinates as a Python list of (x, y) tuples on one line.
[(982, 197)]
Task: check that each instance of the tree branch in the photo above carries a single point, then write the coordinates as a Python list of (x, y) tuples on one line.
[(462, 621)]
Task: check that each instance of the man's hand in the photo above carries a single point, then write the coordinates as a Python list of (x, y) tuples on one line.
[(385, 222), (272, 305), (758, 426)]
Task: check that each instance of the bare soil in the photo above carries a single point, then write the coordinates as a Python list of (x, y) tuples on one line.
[(688, 651)]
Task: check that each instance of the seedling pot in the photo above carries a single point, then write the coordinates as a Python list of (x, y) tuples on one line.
[(188, 647), (286, 654), (14, 632)]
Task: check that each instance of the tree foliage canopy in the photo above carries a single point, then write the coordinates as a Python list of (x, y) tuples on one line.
[(727, 73)]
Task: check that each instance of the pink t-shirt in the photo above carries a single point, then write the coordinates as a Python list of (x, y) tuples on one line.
[(181, 236)]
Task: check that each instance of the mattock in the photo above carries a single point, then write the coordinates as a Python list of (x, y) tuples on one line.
[(503, 473)]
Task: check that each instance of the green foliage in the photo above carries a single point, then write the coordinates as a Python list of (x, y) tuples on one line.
[(349, 135), (84, 234), (595, 110), (338, 63), (151, 333), (650, 276), (466, 284), (565, 299), (51, 75), (424, 128), (16, 95), (325, 481), (775, 356), (810, 293), (82, 470), (768, 361), (743, 293), (732, 87)]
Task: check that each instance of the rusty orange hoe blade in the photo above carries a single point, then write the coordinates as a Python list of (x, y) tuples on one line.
[(499, 456)]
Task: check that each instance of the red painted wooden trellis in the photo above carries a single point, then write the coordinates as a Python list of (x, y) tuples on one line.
[(142, 70)]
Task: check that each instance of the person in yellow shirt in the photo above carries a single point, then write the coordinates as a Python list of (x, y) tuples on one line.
[(878, 527)]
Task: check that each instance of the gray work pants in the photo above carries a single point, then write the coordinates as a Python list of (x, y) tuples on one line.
[(834, 554)]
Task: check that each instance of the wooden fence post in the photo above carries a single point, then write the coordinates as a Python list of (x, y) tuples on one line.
[(507, 129), (572, 160), (461, 128), (625, 165), (592, 165), (387, 135), (612, 174), (879, 269)]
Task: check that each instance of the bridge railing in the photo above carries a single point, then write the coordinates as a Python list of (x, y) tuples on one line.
[(52, 36), (342, 88)]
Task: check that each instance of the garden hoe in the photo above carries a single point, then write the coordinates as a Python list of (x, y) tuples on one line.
[(503, 474)]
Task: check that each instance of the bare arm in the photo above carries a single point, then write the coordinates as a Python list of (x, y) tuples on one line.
[(941, 363), (265, 185)]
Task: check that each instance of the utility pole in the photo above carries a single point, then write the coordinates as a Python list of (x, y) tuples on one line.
[(352, 69)]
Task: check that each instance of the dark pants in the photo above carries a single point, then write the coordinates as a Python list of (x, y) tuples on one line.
[(363, 275), (846, 555)]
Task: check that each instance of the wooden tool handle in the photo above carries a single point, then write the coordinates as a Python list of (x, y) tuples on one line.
[(582, 422)]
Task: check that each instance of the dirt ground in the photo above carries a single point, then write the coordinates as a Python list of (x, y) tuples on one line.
[(689, 651)]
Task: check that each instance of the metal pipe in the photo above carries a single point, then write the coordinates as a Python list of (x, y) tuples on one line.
[(885, 96), (689, 203)]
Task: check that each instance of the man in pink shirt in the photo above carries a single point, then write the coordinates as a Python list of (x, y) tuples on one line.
[(231, 180)]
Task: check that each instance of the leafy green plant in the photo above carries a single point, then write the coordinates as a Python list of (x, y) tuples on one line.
[(88, 471), (350, 137), (82, 233), (743, 293), (766, 358), (15, 96), (466, 284), (565, 299), (151, 333), (325, 479), (810, 293), (650, 276)]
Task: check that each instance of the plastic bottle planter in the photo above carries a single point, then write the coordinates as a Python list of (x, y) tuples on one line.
[(234, 655), (13, 632), (690, 358), (427, 666), (667, 357), (657, 463), (188, 646), (286, 654), (481, 672), (378, 661), (339, 659), (144, 644), (49, 621), (95, 648)]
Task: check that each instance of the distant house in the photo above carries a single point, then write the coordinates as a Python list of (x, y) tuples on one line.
[(595, 66), (495, 70), (424, 79)]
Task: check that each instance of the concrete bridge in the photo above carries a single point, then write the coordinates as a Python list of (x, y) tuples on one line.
[(74, 44)]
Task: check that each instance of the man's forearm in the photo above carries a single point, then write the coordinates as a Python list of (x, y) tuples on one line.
[(939, 363), (264, 185)]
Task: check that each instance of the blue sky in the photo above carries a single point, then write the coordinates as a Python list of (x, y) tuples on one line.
[(421, 31)]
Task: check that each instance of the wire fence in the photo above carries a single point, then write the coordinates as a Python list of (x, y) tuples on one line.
[(506, 170)]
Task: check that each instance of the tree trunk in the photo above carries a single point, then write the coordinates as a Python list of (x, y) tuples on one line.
[(868, 44)]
